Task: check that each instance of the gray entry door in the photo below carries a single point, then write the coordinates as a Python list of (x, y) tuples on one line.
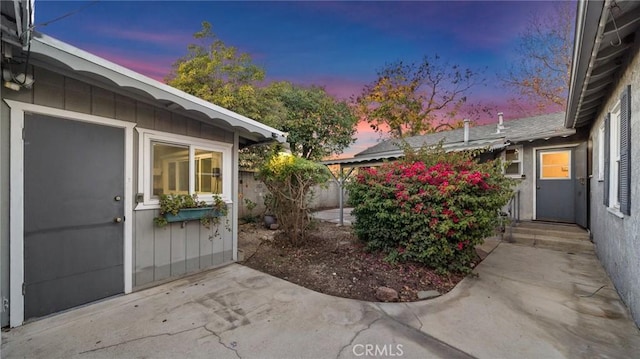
[(555, 192), (73, 213)]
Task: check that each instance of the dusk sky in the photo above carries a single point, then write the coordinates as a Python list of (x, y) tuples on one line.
[(338, 45)]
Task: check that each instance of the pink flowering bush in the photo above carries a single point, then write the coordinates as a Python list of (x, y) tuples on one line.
[(431, 207)]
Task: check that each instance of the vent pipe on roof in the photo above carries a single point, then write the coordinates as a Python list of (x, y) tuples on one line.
[(500, 122), (466, 130)]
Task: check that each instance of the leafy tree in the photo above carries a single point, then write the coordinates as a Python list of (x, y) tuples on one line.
[(318, 125), (218, 73), (543, 64), (412, 99), (290, 179)]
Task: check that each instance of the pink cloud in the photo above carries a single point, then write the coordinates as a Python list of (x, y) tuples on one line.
[(160, 38), (154, 67), (364, 140)]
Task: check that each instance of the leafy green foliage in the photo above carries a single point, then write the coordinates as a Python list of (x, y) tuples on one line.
[(318, 125), (432, 207), (218, 73), (289, 179), (410, 99), (173, 203), (250, 206)]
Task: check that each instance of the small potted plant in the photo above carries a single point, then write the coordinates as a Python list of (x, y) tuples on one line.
[(182, 208)]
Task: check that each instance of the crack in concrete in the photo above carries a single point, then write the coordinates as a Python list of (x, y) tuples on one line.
[(414, 315), (220, 341), (164, 334), (355, 336), (460, 353), (140, 338)]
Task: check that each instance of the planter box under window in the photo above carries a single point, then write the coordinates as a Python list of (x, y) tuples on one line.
[(192, 214)]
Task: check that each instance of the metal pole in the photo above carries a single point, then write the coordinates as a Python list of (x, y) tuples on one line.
[(340, 183)]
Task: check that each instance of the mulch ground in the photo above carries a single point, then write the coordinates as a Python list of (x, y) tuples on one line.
[(333, 261)]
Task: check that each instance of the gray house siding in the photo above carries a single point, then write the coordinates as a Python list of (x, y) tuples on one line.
[(159, 253), (174, 250), (617, 240)]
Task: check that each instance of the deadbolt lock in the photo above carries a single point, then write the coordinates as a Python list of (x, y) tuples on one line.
[(117, 198)]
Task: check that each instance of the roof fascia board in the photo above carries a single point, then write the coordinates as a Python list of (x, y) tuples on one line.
[(70, 73), (585, 50), (83, 61), (565, 133)]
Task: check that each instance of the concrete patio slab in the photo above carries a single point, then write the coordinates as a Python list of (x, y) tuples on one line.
[(333, 215), (524, 302), (534, 303)]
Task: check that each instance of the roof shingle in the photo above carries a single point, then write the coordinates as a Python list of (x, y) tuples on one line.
[(523, 129)]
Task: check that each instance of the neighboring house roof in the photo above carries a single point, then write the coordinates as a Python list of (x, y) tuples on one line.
[(604, 39), (67, 59), (524, 129)]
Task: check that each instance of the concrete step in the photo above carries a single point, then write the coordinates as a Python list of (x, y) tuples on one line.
[(564, 227), (554, 232), (560, 226), (550, 242)]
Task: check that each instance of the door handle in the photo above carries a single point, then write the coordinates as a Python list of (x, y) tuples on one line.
[(537, 187), (117, 219), (117, 198)]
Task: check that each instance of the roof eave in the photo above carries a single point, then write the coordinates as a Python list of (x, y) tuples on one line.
[(82, 61), (584, 52), (544, 136)]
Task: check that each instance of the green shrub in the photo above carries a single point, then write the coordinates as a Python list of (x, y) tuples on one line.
[(173, 203), (289, 179), (431, 207)]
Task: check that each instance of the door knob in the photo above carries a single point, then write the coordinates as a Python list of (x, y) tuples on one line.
[(537, 187), (117, 219), (117, 198)]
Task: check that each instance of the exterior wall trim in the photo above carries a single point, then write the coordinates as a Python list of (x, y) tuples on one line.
[(144, 175), (16, 197), (234, 196), (535, 170)]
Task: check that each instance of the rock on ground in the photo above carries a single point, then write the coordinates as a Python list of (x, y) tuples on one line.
[(386, 294)]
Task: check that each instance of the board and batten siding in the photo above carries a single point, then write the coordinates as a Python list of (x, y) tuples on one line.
[(159, 253), (177, 249)]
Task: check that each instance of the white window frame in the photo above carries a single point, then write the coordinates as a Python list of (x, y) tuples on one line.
[(614, 157), (541, 162), (601, 153), (145, 139), (519, 161)]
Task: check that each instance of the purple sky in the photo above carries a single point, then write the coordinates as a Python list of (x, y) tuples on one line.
[(339, 45)]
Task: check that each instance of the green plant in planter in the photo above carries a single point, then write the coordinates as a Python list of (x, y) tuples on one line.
[(173, 203)]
